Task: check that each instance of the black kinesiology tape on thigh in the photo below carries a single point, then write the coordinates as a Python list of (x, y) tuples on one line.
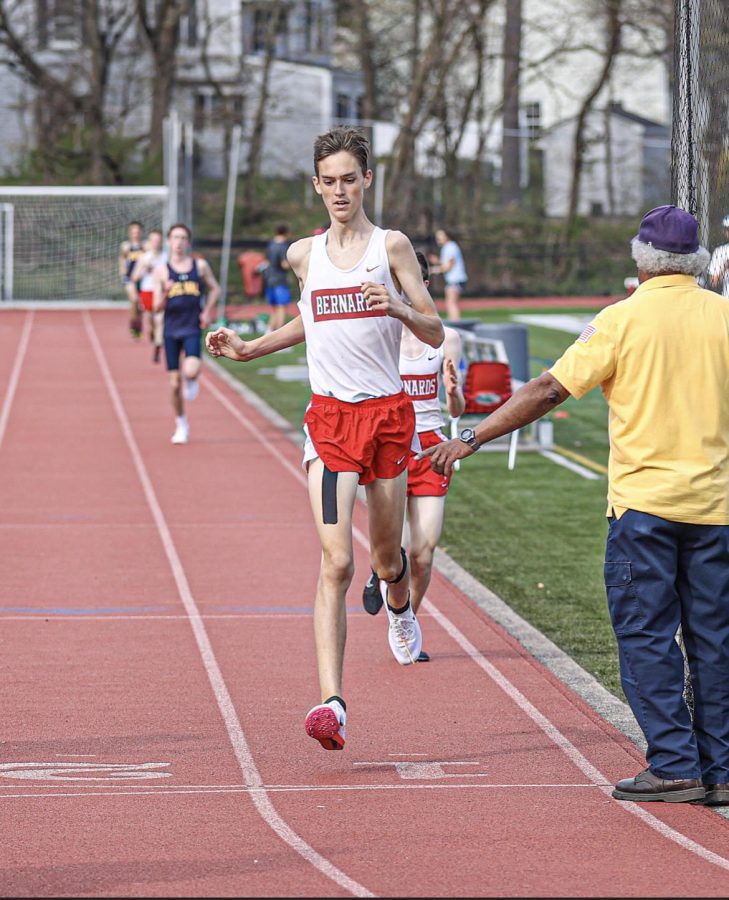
[(329, 497)]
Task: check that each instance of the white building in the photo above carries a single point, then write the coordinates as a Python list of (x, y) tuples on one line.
[(626, 164), (221, 60)]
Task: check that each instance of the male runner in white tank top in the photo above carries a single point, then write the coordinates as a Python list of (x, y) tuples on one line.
[(360, 424), (143, 274), (422, 367)]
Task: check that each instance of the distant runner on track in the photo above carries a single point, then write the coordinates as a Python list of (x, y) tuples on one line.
[(179, 287), (143, 274), (360, 424), (129, 252)]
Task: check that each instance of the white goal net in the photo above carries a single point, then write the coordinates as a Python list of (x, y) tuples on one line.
[(62, 243)]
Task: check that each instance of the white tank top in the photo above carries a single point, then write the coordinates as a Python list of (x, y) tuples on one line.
[(352, 352), (421, 379), (151, 260)]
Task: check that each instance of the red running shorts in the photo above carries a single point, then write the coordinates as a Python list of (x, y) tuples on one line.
[(422, 480), (373, 437)]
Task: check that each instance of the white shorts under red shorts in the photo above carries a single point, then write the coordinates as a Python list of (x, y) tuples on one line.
[(374, 437), (145, 298), (422, 480)]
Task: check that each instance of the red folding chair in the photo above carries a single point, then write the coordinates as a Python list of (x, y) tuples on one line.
[(487, 387)]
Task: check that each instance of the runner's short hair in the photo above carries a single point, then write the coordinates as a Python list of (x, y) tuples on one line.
[(180, 225), (155, 231), (282, 228), (424, 267), (135, 222), (342, 138)]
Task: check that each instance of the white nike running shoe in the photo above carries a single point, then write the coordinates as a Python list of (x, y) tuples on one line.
[(404, 635), (326, 724), (181, 435)]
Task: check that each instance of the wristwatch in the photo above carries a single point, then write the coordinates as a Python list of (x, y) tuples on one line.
[(468, 435)]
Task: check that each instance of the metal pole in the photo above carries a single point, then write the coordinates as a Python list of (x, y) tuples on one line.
[(684, 137), (173, 171), (187, 171), (8, 249), (380, 173), (228, 226)]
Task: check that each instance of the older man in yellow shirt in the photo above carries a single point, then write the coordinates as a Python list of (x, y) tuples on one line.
[(661, 358)]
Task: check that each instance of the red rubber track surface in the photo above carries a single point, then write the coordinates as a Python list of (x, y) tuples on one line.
[(476, 774)]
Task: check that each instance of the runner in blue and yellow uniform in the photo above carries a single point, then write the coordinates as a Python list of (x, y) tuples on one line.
[(179, 288), (129, 252)]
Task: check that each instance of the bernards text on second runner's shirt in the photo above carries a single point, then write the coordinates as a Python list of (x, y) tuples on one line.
[(352, 352)]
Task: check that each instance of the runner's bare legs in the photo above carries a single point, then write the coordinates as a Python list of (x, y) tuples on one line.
[(425, 521), (386, 498), (335, 576)]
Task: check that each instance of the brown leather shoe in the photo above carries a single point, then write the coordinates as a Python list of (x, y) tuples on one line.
[(648, 787), (717, 794)]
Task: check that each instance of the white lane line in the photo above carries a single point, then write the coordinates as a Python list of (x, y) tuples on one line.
[(44, 617), (295, 789), (250, 772), (566, 746), (572, 466), (15, 374), (572, 753)]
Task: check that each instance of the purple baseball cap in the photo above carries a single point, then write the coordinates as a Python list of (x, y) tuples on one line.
[(669, 228)]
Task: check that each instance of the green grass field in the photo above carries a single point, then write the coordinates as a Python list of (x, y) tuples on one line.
[(535, 535)]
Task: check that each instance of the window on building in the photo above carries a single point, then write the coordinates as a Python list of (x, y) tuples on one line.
[(262, 16), (188, 26), (359, 108), (533, 119), (308, 25), (342, 106), (201, 113), (212, 109), (59, 22)]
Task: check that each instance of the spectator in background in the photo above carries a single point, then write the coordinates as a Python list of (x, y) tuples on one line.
[(276, 275), (661, 358), (451, 266), (719, 266)]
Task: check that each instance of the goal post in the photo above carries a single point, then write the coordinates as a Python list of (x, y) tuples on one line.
[(62, 243)]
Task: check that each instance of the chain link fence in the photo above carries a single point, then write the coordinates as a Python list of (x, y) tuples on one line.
[(700, 138)]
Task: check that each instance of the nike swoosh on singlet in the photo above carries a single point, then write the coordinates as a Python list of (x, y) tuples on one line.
[(372, 268)]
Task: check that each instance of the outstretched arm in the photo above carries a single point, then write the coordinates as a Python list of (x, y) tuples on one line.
[(451, 373), (535, 399), (225, 342), (161, 286), (213, 293)]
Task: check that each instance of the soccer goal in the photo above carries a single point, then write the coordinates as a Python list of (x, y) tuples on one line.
[(62, 243)]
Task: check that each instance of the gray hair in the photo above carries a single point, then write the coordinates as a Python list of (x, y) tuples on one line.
[(662, 262)]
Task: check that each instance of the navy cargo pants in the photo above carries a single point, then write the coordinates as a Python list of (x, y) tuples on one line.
[(659, 575)]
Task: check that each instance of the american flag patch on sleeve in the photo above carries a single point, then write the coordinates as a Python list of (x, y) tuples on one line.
[(587, 333)]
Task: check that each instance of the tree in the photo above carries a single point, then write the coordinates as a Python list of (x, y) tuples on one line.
[(73, 99), (162, 30), (511, 142), (276, 12), (611, 13)]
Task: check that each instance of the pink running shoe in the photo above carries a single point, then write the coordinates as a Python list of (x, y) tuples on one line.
[(326, 723)]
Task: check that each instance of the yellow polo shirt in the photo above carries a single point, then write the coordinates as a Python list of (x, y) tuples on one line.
[(661, 358)]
